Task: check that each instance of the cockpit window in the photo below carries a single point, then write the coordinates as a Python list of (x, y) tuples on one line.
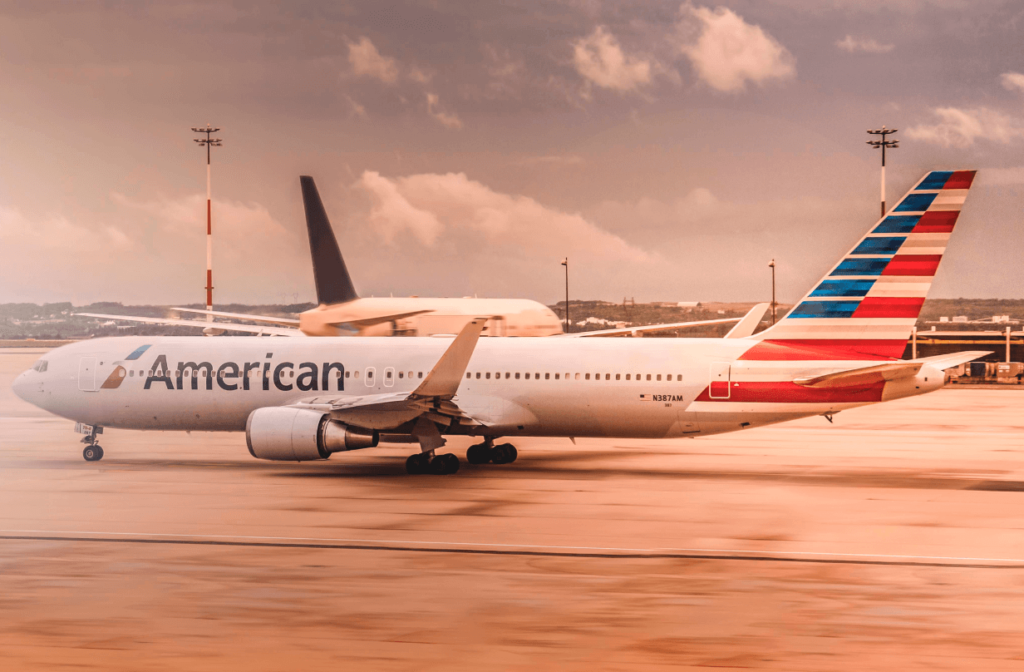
[(40, 366)]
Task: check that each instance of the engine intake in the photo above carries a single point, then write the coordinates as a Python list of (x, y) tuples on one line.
[(297, 435)]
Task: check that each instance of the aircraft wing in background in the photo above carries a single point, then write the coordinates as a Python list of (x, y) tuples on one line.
[(281, 321), (210, 328)]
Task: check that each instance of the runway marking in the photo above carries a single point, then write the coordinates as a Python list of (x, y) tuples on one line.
[(474, 548)]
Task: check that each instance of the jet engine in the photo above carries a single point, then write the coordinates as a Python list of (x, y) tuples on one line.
[(297, 434)]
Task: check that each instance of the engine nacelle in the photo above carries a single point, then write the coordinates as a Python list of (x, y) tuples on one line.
[(298, 434)]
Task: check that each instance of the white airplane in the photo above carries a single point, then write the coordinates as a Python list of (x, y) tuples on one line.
[(341, 312), (304, 399)]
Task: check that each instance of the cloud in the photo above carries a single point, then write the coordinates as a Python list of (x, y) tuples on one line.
[(431, 205), (446, 119), (366, 61), (357, 109), (1012, 81), (727, 52), (957, 127), (152, 251), (601, 61), (865, 44)]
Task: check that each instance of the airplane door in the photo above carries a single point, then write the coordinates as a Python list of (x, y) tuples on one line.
[(720, 375), (389, 376), (368, 376), (87, 374)]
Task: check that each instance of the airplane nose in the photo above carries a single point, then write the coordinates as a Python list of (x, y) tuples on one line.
[(21, 386)]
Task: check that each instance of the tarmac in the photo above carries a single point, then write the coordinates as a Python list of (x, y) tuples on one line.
[(891, 539)]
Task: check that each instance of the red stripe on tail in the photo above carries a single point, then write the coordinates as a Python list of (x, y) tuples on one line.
[(937, 222), (885, 306), (913, 264), (960, 179)]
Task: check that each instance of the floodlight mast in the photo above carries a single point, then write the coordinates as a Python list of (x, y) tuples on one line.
[(208, 142), (883, 143)]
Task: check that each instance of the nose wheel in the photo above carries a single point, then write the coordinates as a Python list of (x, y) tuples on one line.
[(93, 453)]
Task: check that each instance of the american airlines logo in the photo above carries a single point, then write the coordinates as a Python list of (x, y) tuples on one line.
[(231, 376)]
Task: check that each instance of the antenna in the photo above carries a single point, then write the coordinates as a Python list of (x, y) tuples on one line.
[(208, 142)]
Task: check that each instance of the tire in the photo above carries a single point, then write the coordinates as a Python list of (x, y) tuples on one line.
[(91, 454), (478, 454), (416, 464), (512, 453), (451, 463), (99, 449)]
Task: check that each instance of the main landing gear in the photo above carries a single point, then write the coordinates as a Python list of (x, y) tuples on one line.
[(427, 463), (93, 453), (485, 452)]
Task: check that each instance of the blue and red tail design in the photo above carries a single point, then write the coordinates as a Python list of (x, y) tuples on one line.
[(867, 304)]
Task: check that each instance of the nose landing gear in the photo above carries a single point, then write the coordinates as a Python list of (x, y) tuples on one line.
[(93, 451)]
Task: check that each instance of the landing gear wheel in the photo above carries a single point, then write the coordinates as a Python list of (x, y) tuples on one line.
[(505, 453), (417, 464), (92, 453), (444, 464), (478, 454)]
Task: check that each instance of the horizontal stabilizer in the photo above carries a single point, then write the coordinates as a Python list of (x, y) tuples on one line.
[(903, 368)]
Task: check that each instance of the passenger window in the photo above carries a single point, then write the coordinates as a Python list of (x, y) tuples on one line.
[(478, 375), (348, 374), (659, 376), (527, 376), (369, 373), (578, 376), (556, 376), (679, 378), (355, 375), (627, 376), (547, 376), (536, 376), (468, 375), (131, 374), (507, 375), (618, 376), (337, 374), (587, 376), (488, 376), (410, 374), (401, 374), (648, 376), (387, 374), (517, 375), (607, 376), (421, 374)]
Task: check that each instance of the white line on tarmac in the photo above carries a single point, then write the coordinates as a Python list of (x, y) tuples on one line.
[(542, 547)]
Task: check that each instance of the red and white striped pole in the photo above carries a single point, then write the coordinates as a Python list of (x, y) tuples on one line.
[(883, 144), (208, 142)]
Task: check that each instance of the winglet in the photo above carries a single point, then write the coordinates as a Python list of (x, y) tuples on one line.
[(444, 379), (748, 324), (333, 284)]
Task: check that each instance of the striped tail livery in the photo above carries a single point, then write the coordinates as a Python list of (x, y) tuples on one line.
[(866, 305)]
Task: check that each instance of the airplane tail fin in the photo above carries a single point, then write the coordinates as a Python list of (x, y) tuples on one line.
[(867, 304), (333, 284)]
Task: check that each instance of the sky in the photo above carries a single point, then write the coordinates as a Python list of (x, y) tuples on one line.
[(670, 150)]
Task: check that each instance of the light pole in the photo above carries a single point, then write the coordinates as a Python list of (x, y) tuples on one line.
[(208, 142), (883, 143), (565, 262), (772, 266)]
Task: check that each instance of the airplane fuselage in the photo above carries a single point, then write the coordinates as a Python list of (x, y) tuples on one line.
[(654, 388)]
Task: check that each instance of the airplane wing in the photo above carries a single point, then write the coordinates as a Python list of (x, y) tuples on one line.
[(640, 331), (748, 324), (429, 405), (867, 375), (213, 328), (282, 321)]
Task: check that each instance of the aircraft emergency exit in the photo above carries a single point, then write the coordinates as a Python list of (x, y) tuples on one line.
[(304, 399)]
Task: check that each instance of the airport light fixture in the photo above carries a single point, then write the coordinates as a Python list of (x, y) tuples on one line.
[(208, 142), (565, 262), (883, 144)]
